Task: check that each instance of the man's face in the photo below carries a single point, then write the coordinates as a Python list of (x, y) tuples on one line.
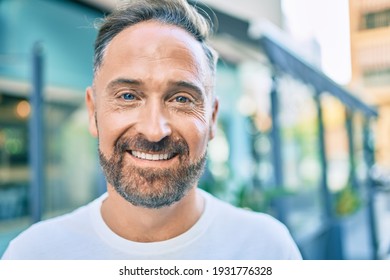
[(152, 109)]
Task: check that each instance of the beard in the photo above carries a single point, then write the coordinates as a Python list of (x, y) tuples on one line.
[(152, 187)]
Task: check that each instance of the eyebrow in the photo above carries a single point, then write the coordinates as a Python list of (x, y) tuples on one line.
[(123, 81), (188, 85)]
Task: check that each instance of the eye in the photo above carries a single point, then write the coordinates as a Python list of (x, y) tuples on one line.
[(182, 99), (128, 96)]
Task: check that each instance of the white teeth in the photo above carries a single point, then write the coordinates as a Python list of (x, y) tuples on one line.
[(150, 156)]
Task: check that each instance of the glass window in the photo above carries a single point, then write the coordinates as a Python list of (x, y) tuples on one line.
[(70, 160), (376, 19), (14, 170), (376, 77), (300, 154)]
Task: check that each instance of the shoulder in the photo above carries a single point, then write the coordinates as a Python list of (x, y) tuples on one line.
[(57, 225), (258, 235), (41, 238), (231, 214), (250, 220)]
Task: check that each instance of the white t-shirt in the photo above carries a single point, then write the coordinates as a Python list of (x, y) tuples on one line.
[(222, 232)]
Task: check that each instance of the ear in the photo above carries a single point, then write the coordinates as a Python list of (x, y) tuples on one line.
[(90, 102), (213, 124)]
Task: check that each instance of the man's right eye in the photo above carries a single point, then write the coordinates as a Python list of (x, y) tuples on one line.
[(128, 96)]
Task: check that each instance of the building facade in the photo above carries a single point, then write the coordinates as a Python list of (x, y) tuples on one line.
[(370, 57)]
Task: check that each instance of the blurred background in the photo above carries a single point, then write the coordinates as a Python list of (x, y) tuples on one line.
[(303, 132)]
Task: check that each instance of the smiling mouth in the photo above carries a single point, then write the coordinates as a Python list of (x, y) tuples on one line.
[(153, 157)]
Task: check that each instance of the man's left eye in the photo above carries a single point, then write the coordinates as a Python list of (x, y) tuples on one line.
[(182, 99), (128, 96)]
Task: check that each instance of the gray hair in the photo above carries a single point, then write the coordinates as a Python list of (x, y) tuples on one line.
[(173, 12)]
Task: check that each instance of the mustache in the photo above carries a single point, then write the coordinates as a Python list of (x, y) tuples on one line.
[(140, 143)]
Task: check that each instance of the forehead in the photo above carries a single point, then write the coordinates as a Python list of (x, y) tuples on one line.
[(154, 44), (145, 35)]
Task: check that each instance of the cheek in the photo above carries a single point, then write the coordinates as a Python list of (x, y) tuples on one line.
[(195, 129), (196, 134), (111, 125)]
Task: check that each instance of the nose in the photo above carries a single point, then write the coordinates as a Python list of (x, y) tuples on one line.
[(153, 123)]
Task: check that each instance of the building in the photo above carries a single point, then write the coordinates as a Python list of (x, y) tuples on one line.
[(370, 57)]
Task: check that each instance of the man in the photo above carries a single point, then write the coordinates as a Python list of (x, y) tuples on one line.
[(153, 110)]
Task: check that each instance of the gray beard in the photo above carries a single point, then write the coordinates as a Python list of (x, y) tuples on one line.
[(152, 187)]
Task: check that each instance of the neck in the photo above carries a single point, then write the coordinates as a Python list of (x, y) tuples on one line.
[(150, 225)]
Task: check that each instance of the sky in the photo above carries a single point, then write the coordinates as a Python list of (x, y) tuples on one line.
[(328, 22)]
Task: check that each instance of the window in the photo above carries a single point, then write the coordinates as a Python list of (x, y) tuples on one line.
[(376, 77), (70, 162), (376, 19), (14, 174)]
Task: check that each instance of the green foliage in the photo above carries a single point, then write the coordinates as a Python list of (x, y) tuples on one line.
[(244, 196), (347, 202), (260, 200)]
